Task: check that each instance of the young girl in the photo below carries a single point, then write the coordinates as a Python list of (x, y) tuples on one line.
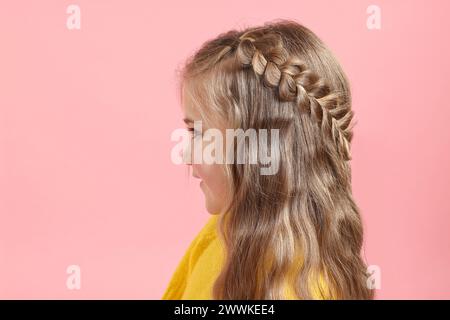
[(295, 233)]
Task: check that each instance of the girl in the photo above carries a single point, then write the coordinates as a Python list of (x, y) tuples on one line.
[(293, 234)]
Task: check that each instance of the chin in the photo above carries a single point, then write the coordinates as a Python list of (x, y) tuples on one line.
[(212, 209)]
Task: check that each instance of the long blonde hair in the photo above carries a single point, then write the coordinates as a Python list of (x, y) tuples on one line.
[(281, 75)]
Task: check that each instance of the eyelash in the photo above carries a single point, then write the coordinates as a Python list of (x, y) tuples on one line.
[(194, 133)]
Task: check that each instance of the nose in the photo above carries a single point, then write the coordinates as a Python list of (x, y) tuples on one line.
[(186, 154)]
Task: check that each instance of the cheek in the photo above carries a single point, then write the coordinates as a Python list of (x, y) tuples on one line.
[(213, 177)]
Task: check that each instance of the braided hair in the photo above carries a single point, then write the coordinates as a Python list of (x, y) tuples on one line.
[(265, 53)]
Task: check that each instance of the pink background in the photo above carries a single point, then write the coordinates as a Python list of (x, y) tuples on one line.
[(86, 116)]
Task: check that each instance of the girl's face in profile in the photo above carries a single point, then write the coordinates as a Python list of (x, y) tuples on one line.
[(212, 177)]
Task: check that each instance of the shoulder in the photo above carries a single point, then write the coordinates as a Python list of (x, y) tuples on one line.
[(210, 227), (206, 235)]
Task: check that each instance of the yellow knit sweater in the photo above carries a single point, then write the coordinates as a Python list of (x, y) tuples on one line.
[(199, 267), (197, 271)]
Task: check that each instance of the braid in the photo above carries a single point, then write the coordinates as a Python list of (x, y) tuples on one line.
[(295, 82)]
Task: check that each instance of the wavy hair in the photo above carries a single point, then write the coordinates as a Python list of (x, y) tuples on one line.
[(300, 226)]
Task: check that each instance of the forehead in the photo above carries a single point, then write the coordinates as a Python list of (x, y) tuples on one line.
[(189, 105), (198, 104)]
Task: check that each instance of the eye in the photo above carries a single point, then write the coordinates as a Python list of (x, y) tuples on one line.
[(193, 132)]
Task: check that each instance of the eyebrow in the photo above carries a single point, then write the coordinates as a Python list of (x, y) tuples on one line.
[(188, 120)]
